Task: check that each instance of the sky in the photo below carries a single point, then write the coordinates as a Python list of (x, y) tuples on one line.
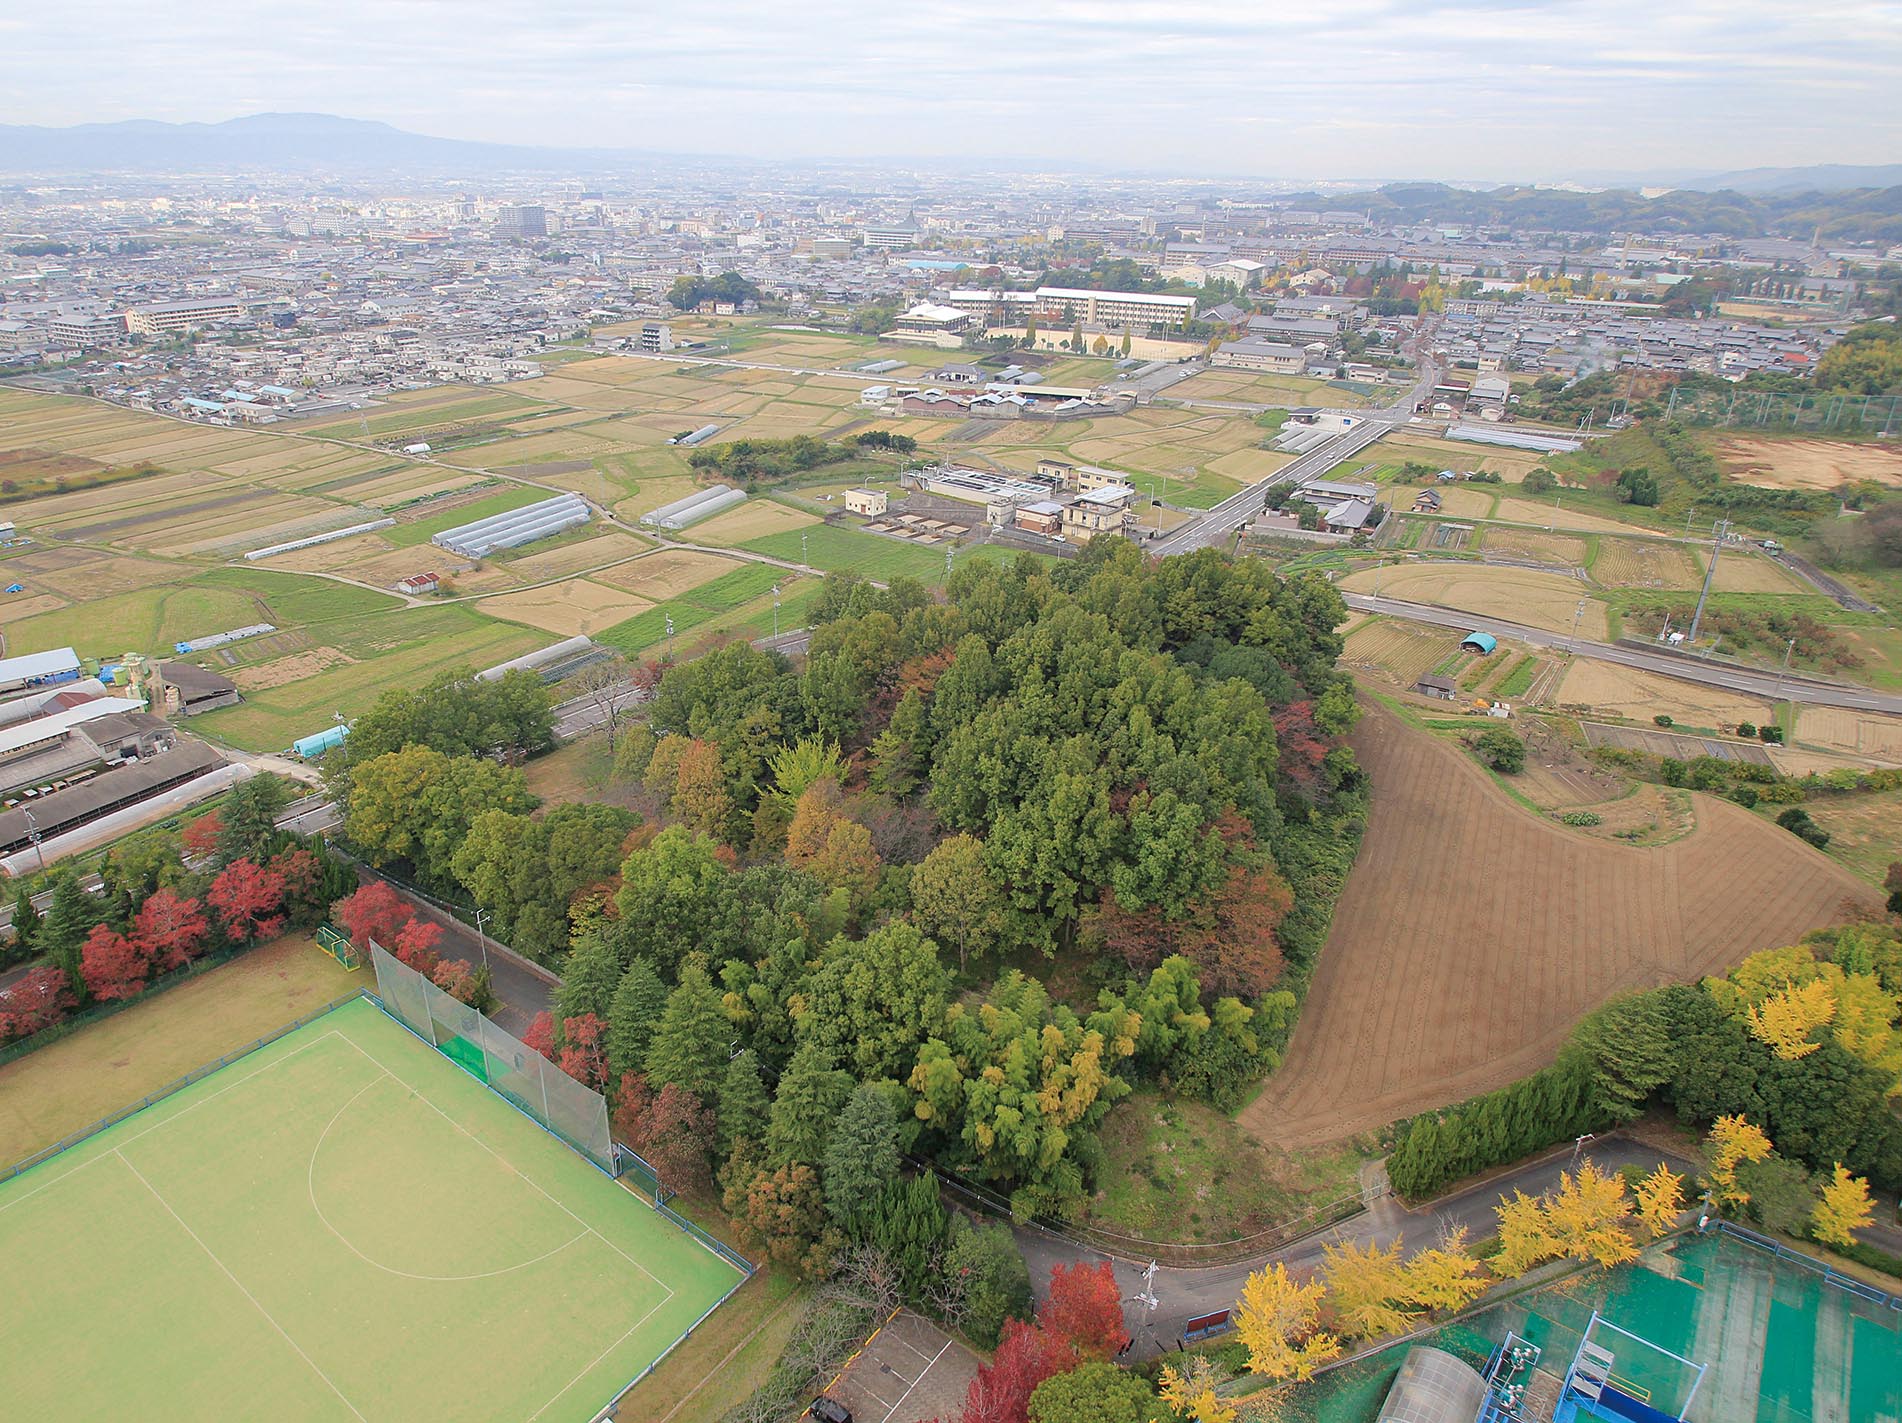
[(1343, 89)]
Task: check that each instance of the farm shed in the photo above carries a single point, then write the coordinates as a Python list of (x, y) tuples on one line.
[(1483, 643), (1445, 688)]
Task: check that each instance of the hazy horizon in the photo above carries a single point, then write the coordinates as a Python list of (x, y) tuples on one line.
[(1373, 89)]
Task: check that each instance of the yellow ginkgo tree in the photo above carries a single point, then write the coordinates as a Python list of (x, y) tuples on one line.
[(1367, 1288), (1190, 1391), (1785, 1020), (1845, 1207), (1660, 1199), (1278, 1320), (1732, 1142)]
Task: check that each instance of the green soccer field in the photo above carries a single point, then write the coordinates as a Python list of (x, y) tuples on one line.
[(341, 1225)]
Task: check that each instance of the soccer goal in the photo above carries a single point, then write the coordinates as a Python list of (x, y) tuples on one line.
[(576, 1114), (339, 947)]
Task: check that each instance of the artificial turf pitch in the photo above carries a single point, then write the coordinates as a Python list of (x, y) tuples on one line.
[(341, 1225)]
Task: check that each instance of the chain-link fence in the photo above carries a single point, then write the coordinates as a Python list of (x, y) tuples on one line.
[(576, 1114)]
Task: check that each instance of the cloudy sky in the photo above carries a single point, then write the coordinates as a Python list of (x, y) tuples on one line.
[(1347, 88)]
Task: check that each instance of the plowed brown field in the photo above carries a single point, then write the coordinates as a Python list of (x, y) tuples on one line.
[(1472, 935)]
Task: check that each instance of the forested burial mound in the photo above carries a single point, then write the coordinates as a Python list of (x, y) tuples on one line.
[(1472, 936)]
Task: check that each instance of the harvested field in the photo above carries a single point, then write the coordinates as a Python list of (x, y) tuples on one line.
[(1473, 935), (1612, 690), (667, 574), (14, 607), (1559, 550), (1861, 733), (577, 606), (1679, 744), (751, 520), (1808, 464), (1640, 563), (1542, 600), (570, 558), (1864, 830), (1743, 570), (1400, 652), (1541, 513), (282, 671)]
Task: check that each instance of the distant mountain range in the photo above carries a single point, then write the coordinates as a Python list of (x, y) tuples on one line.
[(1839, 200), (280, 142)]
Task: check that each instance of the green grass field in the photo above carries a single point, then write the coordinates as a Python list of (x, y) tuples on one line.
[(400, 648), (829, 548), (340, 1225)]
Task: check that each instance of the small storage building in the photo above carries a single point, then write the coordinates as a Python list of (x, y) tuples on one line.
[(1483, 643)]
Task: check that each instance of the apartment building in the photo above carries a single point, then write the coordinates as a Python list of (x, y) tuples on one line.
[(163, 317)]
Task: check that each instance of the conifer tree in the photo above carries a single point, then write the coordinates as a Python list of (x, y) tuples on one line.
[(640, 999)]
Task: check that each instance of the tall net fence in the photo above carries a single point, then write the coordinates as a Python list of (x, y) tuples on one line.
[(576, 1114)]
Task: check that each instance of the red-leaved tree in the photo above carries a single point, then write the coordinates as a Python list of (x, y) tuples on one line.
[(415, 944), (457, 978), (633, 1100), (303, 882), (584, 1051), (374, 912), (201, 836), (1085, 1310), (679, 1139), (248, 900), (112, 965), (540, 1036), (173, 928), (1025, 1357), (35, 1003)]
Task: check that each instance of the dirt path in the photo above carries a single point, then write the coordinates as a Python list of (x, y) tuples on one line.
[(1472, 935)]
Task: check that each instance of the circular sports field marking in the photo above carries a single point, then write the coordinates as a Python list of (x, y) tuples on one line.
[(350, 1245)]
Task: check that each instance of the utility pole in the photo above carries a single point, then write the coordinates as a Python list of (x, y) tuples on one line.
[(1576, 616), (33, 834), (1718, 530), (670, 637), (804, 557), (775, 611), (1787, 652)]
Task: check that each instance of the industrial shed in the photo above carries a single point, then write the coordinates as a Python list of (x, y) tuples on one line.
[(1433, 1387)]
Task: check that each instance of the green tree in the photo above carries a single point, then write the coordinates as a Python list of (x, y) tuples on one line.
[(1629, 1040), (690, 1042), (1782, 1195), (673, 897), (590, 977), (69, 919), (955, 900), (1095, 1392), (870, 1003), (744, 1104), (1502, 750), (248, 819), (812, 1091), (634, 1013), (417, 805), (861, 1159), (26, 923), (990, 1282)]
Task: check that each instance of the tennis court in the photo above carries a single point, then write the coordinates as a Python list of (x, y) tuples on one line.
[(1781, 1344), (341, 1225)]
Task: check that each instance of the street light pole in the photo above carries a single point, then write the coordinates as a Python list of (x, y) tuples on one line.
[(1576, 616), (482, 914), (33, 834)]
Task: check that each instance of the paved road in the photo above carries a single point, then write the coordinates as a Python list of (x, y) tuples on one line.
[(1183, 1294), (1224, 519), (1810, 690)]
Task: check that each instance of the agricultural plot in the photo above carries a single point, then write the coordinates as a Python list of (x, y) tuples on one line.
[(1410, 448), (1399, 652), (667, 574), (754, 519), (393, 649), (1542, 600), (1558, 550), (589, 551), (1865, 734), (1743, 570), (1611, 690), (1807, 464), (1472, 935), (720, 601), (1543, 514), (827, 547), (1645, 563), (565, 609)]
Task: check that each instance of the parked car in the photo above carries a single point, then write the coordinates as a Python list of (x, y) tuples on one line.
[(829, 1410)]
